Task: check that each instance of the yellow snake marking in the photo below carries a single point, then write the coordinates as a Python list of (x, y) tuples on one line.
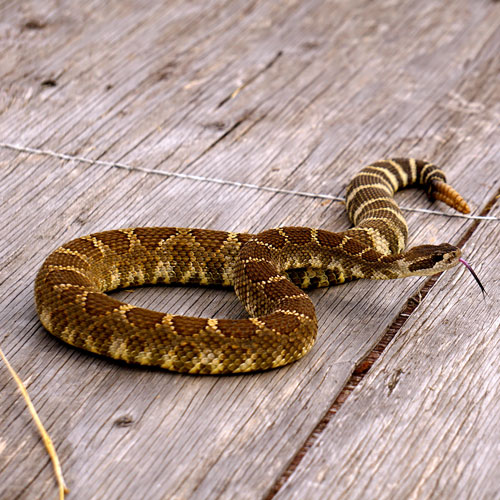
[(389, 175), (167, 320), (356, 191), (293, 313), (84, 316), (282, 232), (395, 211), (258, 323), (364, 204), (98, 244), (401, 172), (413, 169)]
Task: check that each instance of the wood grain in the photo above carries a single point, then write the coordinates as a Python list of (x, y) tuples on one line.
[(423, 423), (297, 95)]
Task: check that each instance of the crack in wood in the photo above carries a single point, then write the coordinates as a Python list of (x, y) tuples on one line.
[(34, 24), (250, 80), (219, 139), (364, 366), (394, 380)]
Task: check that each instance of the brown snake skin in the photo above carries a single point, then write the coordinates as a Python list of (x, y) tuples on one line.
[(266, 271)]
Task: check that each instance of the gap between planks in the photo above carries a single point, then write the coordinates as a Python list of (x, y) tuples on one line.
[(364, 366)]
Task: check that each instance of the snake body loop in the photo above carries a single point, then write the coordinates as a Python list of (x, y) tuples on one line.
[(268, 271)]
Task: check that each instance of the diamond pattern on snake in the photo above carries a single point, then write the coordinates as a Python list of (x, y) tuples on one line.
[(269, 272)]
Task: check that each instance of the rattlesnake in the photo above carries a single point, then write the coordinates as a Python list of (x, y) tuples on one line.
[(268, 271)]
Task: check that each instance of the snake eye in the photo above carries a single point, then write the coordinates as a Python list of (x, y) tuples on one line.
[(437, 258)]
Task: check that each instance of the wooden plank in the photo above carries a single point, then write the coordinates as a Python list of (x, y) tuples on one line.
[(175, 121), (301, 114), (248, 417), (424, 423)]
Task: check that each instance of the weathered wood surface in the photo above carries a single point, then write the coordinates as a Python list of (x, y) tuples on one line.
[(292, 95), (424, 422)]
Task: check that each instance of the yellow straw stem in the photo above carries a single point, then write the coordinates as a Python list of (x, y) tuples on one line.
[(46, 438)]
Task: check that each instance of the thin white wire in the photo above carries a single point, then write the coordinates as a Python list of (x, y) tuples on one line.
[(215, 180)]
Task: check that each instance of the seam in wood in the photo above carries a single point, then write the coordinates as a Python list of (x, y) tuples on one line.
[(235, 92), (360, 371), (221, 138), (363, 367)]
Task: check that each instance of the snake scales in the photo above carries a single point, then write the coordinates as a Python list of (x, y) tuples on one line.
[(268, 271)]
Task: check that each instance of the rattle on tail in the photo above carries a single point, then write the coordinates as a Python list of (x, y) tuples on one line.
[(268, 271)]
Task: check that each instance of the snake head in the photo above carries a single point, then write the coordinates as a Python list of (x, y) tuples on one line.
[(426, 260)]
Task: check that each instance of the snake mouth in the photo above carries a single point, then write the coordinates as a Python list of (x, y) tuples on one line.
[(474, 275)]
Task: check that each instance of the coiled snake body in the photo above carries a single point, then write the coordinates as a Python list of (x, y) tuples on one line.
[(268, 271)]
